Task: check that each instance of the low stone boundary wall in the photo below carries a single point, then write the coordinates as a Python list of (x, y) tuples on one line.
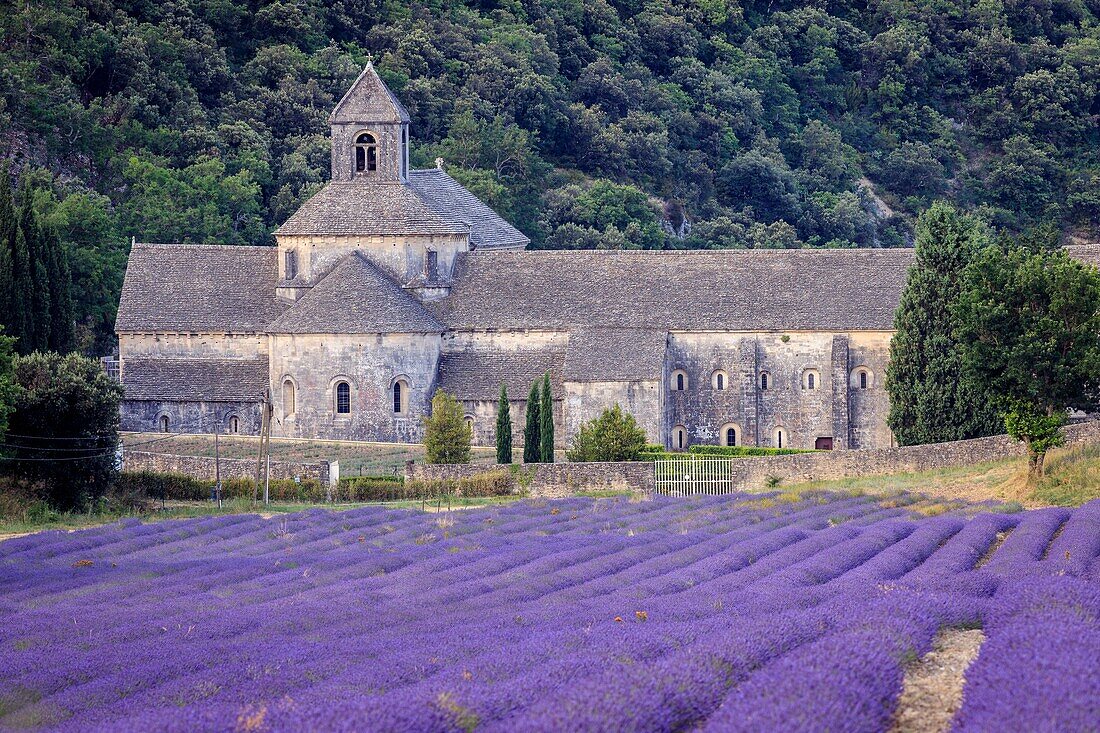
[(753, 473), (552, 480), (202, 467)]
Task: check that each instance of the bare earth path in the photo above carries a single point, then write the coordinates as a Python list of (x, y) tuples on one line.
[(933, 687)]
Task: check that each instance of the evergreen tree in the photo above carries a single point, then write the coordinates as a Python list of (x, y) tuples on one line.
[(613, 436), (546, 422), (532, 443), (62, 336), (40, 275), (504, 427), (64, 400), (9, 389), (7, 242), (22, 293), (932, 399), (446, 435)]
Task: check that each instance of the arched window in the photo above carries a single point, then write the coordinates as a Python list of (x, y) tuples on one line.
[(234, 425), (719, 379), (343, 398), (679, 436), (400, 394), (366, 153), (780, 438), (469, 420), (679, 380), (289, 406), (764, 381), (811, 379), (164, 423), (729, 434), (862, 378)]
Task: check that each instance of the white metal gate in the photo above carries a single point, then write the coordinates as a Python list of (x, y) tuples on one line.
[(693, 476)]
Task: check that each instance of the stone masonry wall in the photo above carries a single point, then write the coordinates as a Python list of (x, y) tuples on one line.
[(554, 480), (202, 467), (834, 408), (750, 474)]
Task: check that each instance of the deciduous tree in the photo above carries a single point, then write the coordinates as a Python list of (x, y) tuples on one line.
[(1029, 322)]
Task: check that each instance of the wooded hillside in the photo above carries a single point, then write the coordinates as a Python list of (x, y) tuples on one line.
[(587, 123)]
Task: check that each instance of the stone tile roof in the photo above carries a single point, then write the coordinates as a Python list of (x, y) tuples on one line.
[(615, 355), (199, 288), (369, 100), (195, 380), (476, 374), (356, 297), (451, 200), (1087, 253), (371, 208), (729, 290)]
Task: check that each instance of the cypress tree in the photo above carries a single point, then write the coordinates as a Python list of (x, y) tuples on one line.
[(932, 399), (504, 427), (546, 422), (22, 294), (7, 243), (62, 336), (532, 443), (39, 273)]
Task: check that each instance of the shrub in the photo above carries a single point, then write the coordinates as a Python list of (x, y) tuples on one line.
[(613, 436), (64, 400), (487, 483), (446, 437), (371, 488), (134, 487)]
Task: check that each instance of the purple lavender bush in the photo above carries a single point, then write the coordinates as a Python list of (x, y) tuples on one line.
[(732, 613)]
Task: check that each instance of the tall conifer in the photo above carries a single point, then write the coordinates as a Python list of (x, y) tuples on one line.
[(532, 442), (56, 257), (22, 294), (546, 422), (504, 427), (7, 242), (39, 273), (931, 398)]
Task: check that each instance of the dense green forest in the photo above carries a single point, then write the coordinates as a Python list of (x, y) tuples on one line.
[(588, 123)]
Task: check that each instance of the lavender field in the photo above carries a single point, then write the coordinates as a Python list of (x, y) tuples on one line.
[(738, 613)]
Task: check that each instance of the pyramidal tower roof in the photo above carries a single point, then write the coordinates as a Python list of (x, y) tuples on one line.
[(369, 100)]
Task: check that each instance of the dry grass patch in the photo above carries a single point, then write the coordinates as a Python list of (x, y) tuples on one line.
[(933, 686)]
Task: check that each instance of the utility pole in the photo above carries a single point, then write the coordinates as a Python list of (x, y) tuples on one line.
[(260, 455), (217, 469), (267, 477)]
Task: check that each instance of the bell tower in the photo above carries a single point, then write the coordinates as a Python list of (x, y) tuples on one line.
[(370, 133)]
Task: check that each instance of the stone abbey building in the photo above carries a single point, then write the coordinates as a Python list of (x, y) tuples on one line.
[(392, 283)]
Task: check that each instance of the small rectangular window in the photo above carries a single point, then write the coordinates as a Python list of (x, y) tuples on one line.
[(404, 152), (290, 264)]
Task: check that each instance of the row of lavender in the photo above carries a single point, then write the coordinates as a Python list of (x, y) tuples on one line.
[(742, 613)]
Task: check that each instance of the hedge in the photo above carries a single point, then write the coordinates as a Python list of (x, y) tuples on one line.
[(733, 451), (138, 487), (743, 451), (135, 486)]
